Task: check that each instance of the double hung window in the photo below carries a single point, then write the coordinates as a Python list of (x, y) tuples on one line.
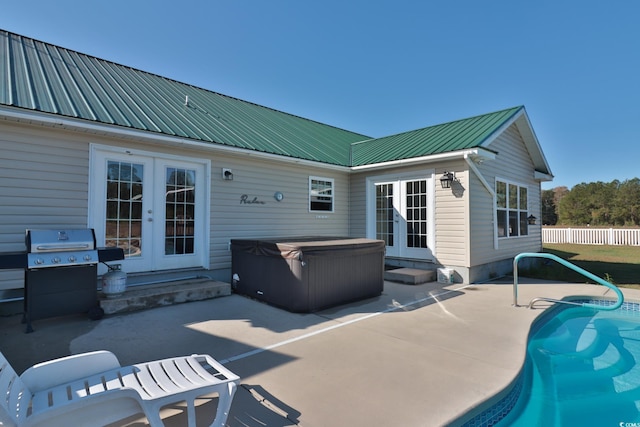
[(511, 209), (320, 194)]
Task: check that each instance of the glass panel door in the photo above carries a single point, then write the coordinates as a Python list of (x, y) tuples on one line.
[(123, 227), (401, 216), (154, 208), (179, 214), (416, 213), (386, 216), (180, 211), (121, 201)]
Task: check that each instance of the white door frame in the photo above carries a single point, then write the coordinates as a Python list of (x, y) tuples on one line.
[(153, 257), (400, 248)]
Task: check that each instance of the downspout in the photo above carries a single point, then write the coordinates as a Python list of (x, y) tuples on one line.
[(349, 219), (349, 228), (489, 189)]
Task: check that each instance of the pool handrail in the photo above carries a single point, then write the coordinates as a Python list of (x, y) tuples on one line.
[(573, 267)]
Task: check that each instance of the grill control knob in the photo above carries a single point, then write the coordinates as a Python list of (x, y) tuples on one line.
[(87, 257), (56, 260), (72, 258), (39, 261)]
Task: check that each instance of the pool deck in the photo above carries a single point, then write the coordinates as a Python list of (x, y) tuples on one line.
[(418, 355)]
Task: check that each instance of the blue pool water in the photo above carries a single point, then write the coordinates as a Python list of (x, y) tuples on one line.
[(581, 370)]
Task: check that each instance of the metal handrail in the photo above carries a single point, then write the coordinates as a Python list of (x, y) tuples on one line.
[(572, 267), (559, 301)]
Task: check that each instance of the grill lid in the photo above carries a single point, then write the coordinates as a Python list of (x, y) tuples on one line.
[(58, 248), (44, 241)]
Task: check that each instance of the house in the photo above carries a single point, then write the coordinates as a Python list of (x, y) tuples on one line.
[(171, 172)]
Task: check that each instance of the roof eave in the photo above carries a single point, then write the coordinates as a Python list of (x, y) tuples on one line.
[(532, 143), (51, 120), (521, 119), (542, 176), (433, 158)]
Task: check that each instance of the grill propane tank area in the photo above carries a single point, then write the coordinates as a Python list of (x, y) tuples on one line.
[(60, 272)]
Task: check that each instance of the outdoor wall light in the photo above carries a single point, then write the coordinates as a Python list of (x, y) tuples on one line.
[(227, 174), (446, 179), (531, 220)]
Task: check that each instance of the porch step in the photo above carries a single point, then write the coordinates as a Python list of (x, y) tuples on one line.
[(410, 276), (148, 296)]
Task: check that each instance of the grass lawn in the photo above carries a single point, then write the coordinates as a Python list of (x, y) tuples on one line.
[(619, 265)]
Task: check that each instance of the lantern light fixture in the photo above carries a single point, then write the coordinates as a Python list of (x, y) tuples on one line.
[(447, 178), (531, 219)]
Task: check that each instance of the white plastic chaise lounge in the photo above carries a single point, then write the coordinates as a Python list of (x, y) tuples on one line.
[(92, 389)]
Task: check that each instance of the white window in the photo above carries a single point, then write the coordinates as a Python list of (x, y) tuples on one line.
[(320, 194), (511, 209)]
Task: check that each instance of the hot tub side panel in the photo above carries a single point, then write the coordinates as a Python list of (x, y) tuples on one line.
[(274, 280), (344, 276), (307, 276)]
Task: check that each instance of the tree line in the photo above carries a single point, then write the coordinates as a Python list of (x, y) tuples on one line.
[(613, 204)]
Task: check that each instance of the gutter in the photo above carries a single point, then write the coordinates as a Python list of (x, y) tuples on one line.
[(451, 155)]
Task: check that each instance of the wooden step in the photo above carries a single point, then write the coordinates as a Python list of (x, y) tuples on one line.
[(410, 276)]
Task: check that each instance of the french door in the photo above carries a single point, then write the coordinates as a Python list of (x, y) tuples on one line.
[(400, 212), (152, 207)]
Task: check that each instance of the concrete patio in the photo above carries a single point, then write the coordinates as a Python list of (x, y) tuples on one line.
[(419, 355)]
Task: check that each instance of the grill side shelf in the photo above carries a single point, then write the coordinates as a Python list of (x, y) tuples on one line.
[(13, 260), (110, 254)]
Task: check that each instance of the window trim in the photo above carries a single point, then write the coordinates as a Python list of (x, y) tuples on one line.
[(508, 210), (331, 196)]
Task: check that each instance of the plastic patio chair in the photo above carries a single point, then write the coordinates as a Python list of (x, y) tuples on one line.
[(92, 389)]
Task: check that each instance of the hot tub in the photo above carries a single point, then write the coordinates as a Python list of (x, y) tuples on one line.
[(306, 274)]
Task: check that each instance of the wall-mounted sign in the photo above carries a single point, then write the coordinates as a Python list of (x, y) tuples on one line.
[(245, 200)]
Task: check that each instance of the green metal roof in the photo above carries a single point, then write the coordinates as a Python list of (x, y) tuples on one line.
[(453, 136), (46, 78), (41, 77)]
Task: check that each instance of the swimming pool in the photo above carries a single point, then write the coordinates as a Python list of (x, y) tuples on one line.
[(581, 370)]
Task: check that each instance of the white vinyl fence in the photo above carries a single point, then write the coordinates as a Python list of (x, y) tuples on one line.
[(592, 236)]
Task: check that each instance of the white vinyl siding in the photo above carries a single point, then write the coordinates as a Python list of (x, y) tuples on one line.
[(512, 165), (358, 203), (43, 184), (452, 222), (481, 219), (44, 175), (290, 217)]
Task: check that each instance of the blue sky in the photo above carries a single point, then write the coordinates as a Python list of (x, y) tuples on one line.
[(387, 66)]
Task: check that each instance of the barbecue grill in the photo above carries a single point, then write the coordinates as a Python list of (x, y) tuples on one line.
[(61, 269), (60, 248)]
